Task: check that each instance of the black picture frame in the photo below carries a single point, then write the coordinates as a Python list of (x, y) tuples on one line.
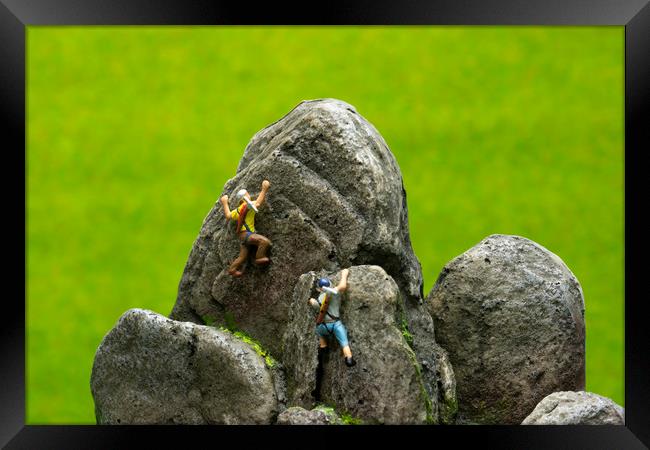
[(15, 15)]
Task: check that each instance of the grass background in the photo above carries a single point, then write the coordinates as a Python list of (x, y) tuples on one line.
[(132, 132)]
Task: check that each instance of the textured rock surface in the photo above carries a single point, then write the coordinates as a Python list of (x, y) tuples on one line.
[(153, 370), (446, 393), (336, 200), (386, 385), (576, 408), (300, 416), (511, 316)]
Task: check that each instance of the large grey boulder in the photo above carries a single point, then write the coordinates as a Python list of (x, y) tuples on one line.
[(511, 316), (386, 385), (153, 370), (336, 200), (300, 416), (576, 408)]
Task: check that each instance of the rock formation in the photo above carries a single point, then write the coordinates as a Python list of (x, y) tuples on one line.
[(511, 316), (508, 314), (386, 386), (153, 370), (576, 408), (336, 200)]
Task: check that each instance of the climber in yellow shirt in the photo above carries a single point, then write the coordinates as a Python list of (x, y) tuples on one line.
[(244, 214)]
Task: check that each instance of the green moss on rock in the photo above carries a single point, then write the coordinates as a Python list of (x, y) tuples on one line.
[(231, 327), (230, 321), (268, 359), (344, 418), (404, 327), (428, 406), (209, 321)]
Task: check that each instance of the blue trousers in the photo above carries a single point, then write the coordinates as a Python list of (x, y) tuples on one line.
[(333, 328)]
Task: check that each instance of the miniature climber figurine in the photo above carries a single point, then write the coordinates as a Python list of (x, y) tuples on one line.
[(328, 320), (244, 214)]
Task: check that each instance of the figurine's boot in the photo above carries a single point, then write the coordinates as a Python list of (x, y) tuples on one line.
[(350, 361), (263, 243), (234, 268)]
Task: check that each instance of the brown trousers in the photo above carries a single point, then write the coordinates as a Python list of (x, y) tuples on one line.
[(254, 239)]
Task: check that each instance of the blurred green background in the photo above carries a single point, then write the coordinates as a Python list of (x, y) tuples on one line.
[(133, 131)]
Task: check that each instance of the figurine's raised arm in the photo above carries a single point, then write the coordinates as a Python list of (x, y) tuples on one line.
[(343, 284), (260, 198), (226, 209)]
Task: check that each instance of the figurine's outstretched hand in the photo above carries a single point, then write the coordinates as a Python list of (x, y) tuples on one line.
[(343, 284), (224, 203), (266, 184)]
